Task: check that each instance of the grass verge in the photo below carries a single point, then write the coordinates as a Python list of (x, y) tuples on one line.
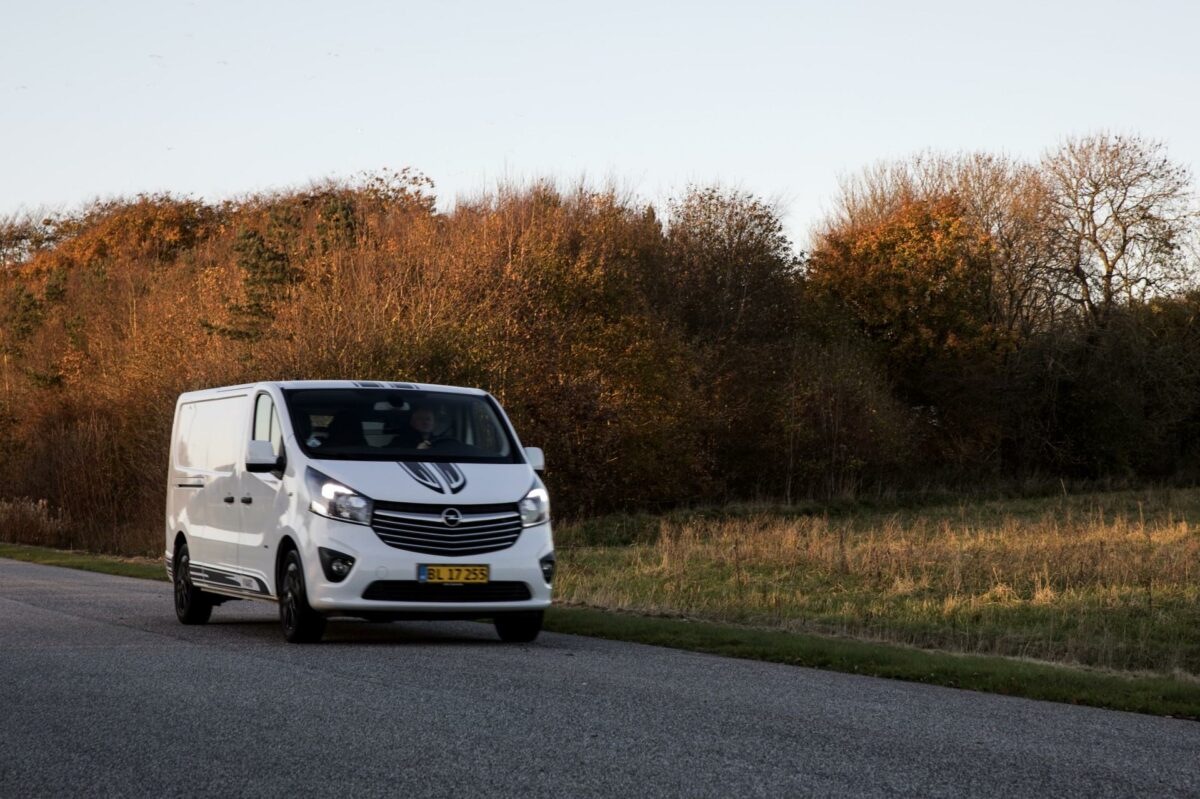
[(1157, 695), (144, 568), (1164, 696)]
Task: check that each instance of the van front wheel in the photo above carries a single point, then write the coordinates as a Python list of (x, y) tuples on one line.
[(192, 606), (301, 624), (519, 628)]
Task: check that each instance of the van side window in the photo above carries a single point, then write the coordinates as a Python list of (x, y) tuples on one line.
[(206, 439), (186, 456), (266, 424)]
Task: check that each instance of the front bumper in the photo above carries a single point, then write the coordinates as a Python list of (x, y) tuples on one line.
[(376, 561)]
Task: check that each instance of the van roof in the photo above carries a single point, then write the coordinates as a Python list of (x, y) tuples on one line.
[(288, 385)]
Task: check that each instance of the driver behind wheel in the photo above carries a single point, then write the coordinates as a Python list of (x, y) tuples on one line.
[(423, 422)]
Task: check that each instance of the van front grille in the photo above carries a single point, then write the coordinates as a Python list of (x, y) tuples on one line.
[(449, 530), (413, 591)]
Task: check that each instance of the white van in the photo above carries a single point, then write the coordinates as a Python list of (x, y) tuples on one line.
[(375, 500)]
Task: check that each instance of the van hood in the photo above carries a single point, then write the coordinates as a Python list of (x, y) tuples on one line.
[(432, 483)]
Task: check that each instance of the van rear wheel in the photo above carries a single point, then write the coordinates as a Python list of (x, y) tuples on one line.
[(519, 628), (301, 624), (192, 606)]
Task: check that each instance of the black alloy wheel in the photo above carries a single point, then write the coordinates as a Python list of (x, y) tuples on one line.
[(301, 624), (192, 606), (519, 628)]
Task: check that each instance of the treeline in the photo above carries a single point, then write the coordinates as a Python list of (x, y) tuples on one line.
[(958, 319)]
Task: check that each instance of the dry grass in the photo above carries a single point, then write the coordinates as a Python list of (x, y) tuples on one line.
[(1107, 580), (28, 521)]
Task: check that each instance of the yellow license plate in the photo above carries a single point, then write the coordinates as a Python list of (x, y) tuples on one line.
[(436, 573)]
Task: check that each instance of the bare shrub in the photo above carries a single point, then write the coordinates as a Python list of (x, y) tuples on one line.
[(30, 521)]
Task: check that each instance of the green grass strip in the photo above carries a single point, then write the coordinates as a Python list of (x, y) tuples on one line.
[(1163, 696), (143, 568)]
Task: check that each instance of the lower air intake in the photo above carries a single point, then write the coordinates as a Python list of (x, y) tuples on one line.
[(413, 591)]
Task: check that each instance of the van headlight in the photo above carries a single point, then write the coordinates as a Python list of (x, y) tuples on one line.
[(535, 507), (328, 497)]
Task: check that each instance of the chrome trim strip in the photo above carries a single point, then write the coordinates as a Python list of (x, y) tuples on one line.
[(467, 518), (225, 590)]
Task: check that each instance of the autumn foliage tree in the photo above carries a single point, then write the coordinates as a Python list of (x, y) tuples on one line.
[(917, 281)]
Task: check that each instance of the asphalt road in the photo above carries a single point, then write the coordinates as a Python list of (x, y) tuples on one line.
[(103, 693)]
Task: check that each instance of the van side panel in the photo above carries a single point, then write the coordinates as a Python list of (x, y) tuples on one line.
[(203, 480)]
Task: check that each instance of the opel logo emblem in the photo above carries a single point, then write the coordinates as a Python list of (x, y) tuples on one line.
[(451, 517)]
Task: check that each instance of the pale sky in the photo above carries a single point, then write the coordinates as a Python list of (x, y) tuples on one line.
[(216, 99)]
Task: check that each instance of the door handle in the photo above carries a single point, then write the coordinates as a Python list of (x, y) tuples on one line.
[(229, 500), (246, 500)]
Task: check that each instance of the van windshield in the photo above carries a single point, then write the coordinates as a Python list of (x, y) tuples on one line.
[(399, 425)]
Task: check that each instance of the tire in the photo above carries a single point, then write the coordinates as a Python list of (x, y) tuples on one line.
[(519, 628), (301, 624), (192, 606)]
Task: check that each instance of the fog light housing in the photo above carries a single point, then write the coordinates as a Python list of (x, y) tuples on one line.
[(548, 564), (336, 565)]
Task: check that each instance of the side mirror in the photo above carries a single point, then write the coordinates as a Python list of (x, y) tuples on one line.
[(260, 457), (537, 458)]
